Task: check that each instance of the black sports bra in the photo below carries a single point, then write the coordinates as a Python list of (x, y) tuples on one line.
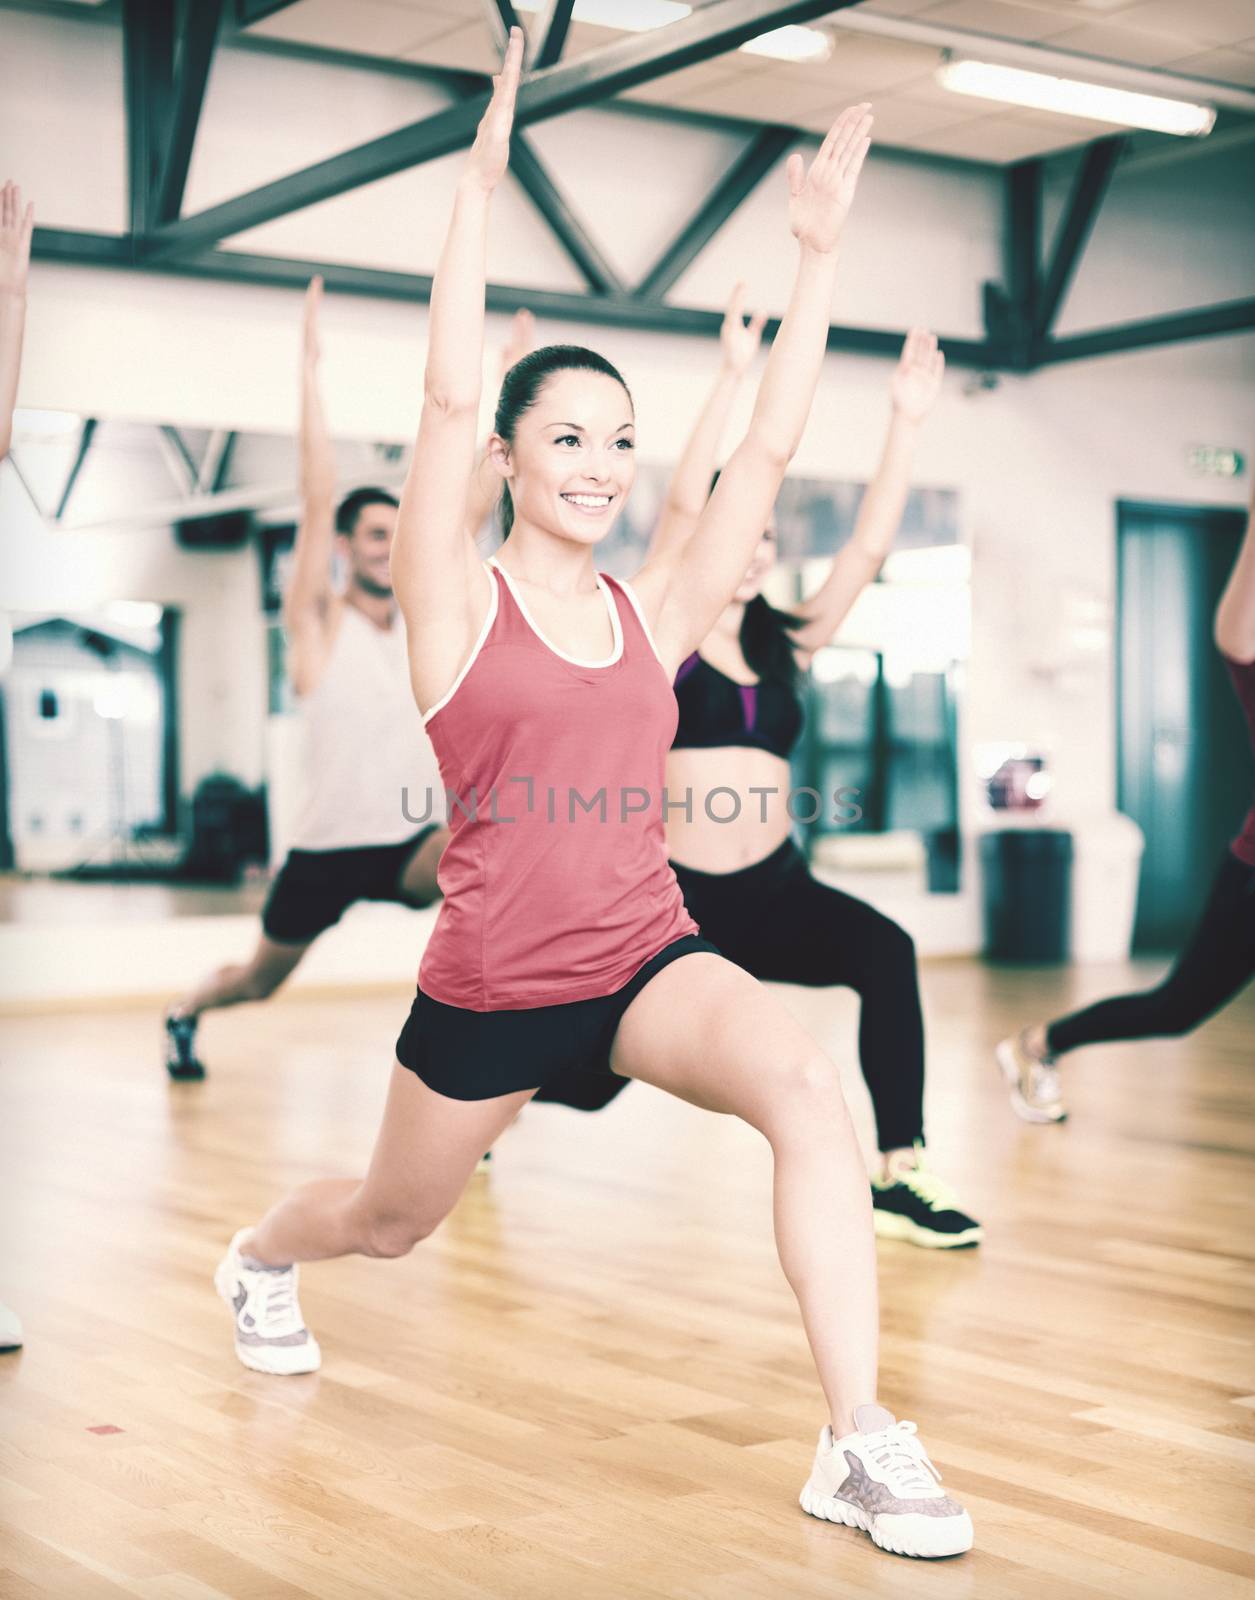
[(716, 711)]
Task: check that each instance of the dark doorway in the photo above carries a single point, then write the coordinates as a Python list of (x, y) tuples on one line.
[(1184, 764)]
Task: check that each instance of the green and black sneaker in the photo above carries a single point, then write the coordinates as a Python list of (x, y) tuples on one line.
[(181, 1061), (917, 1206)]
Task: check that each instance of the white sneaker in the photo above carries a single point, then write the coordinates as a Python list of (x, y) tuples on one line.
[(270, 1333), (880, 1479), (10, 1329), (1033, 1080)]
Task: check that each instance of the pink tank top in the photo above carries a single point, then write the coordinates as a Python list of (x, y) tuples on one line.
[(1242, 674), (556, 881)]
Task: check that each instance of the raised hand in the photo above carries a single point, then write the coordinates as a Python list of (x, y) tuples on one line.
[(820, 199), (740, 339), (522, 340), (16, 227), (311, 344), (490, 154), (916, 381)]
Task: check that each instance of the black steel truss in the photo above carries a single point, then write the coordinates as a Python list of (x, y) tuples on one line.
[(742, 178), (639, 58), (165, 83), (1088, 188)]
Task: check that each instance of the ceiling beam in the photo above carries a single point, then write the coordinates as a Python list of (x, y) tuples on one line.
[(1205, 322), (638, 58), (1088, 188), (85, 436), (501, 18), (741, 179), (196, 48), (612, 311), (571, 233), (148, 57), (551, 29)]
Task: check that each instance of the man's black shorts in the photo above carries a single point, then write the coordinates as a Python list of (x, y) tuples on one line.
[(314, 888)]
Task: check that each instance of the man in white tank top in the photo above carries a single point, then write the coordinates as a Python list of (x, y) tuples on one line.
[(372, 812)]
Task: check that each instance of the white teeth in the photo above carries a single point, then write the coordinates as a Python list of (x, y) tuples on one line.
[(594, 502)]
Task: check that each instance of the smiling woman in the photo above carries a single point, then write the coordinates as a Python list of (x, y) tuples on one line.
[(540, 451)]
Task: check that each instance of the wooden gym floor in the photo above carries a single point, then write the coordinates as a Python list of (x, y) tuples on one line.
[(592, 1382)]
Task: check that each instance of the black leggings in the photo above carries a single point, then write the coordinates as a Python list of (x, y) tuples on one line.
[(781, 925), (1218, 960)]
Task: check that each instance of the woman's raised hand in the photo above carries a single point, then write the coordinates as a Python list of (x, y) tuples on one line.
[(311, 347), (820, 199), (490, 154), (740, 339), (916, 381), (16, 227), (521, 341)]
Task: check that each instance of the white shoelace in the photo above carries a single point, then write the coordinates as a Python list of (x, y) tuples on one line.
[(276, 1304), (900, 1455), (1043, 1083)]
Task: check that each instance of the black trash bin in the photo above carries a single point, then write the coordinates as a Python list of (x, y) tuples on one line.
[(1027, 874)]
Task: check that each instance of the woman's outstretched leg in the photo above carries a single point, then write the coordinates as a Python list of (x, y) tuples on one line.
[(706, 1031), (426, 1150), (1215, 963)]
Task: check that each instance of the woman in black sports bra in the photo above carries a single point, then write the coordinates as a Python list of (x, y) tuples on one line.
[(744, 879)]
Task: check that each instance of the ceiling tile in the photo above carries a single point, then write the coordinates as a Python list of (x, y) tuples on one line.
[(1127, 45), (368, 27), (1000, 138), (762, 96), (895, 8), (678, 87), (897, 121), (470, 48), (1207, 21), (1220, 66), (998, 17)]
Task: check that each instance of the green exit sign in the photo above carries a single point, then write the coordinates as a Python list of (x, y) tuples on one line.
[(1215, 461)]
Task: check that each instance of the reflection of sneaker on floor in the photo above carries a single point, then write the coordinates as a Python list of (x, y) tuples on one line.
[(915, 1205), (1033, 1080), (181, 1062), (270, 1333), (880, 1479), (10, 1329)]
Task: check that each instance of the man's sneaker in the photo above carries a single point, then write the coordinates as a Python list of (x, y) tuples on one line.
[(880, 1479), (181, 1062), (270, 1333), (917, 1206), (1033, 1081), (10, 1329)]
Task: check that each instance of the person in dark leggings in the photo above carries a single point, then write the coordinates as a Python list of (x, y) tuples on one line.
[(745, 882), (1218, 959)]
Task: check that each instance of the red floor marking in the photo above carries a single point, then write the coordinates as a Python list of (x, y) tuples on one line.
[(105, 1427)]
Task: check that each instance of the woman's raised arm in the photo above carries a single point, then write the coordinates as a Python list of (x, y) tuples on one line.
[(16, 227), (689, 489), (434, 563), (705, 574), (913, 390)]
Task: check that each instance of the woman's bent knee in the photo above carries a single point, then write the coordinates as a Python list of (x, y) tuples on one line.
[(805, 1096), (387, 1238)]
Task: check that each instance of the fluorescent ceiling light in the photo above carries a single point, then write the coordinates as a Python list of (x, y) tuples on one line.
[(791, 44), (1073, 98), (628, 16)]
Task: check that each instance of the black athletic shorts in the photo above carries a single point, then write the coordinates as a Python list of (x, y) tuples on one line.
[(314, 888), (475, 1055)]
